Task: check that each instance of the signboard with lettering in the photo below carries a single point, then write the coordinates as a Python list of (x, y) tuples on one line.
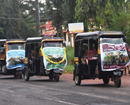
[(76, 27), (48, 26), (49, 33)]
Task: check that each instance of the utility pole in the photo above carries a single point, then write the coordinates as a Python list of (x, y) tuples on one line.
[(37, 18)]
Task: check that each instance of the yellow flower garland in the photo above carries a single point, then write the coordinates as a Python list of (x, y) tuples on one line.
[(51, 60)]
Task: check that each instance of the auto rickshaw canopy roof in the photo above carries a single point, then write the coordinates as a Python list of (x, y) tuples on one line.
[(52, 39), (39, 39), (15, 41), (97, 34), (33, 39), (2, 40)]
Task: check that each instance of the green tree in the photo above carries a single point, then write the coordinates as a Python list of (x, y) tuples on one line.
[(97, 10), (68, 11), (54, 10), (121, 22), (13, 21)]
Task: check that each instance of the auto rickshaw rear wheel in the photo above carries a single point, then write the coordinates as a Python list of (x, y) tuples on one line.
[(105, 80), (56, 77), (19, 76), (117, 81), (50, 77), (77, 80), (26, 77)]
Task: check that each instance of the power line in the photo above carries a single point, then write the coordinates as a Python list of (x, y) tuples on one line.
[(19, 18), (11, 18), (9, 14)]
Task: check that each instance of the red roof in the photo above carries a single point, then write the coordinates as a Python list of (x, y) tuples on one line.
[(40, 26)]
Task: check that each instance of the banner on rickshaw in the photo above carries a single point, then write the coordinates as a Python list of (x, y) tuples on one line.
[(113, 56), (57, 58), (15, 59)]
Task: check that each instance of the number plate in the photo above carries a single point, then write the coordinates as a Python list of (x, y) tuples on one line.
[(57, 71), (19, 68)]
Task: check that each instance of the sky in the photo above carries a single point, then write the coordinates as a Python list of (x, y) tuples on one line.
[(40, 0)]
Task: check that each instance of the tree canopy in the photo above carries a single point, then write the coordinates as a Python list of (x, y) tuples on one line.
[(18, 17)]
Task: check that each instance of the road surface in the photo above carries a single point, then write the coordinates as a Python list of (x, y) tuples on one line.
[(42, 91)]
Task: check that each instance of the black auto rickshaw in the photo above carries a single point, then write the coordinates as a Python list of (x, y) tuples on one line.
[(45, 56), (100, 55), (12, 54)]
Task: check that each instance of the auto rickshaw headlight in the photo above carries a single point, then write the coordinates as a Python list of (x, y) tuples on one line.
[(26, 61)]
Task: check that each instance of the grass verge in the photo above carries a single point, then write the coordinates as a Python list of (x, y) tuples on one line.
[(69, 69)]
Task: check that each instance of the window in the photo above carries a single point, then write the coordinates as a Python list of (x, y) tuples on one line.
[(52, 44), (2, 49), (16, 46), (111, 40)]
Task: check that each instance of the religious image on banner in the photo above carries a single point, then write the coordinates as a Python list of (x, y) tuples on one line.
[(113, 56), (54, 54), (15, 58)]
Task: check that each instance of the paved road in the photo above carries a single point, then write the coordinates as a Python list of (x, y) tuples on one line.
[(41, 91)]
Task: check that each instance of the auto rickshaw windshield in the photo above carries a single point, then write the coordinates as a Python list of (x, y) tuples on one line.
[(2, 48), (16, 46), (53, 44), (111, 40)]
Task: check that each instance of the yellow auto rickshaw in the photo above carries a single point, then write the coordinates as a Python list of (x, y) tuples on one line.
[(12, 54), (45, 56)]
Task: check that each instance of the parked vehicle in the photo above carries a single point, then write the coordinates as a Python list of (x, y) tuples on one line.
[(100, 55), (12, 54), (45, 56)]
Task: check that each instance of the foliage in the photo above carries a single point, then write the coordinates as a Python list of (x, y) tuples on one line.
[(17, 17), (54, 9), (13, 20), (97, 10), (69, 69), (70, 55), (70, 58), (68, 11), (121, 22), (1, 30)]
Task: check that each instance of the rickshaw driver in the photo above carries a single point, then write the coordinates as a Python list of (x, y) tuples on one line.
[(92, 52)]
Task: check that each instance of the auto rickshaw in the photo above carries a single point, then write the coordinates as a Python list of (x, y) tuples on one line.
[(45, 56), (12, 54), (107, 59)]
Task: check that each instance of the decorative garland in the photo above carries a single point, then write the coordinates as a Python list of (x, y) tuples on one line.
[(53, 61)]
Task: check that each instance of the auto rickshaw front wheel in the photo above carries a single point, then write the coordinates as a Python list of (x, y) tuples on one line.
[(105, 80), (51, 77), (26, 77), (56, 77), (77, 80), (18, 75), (117, 81)]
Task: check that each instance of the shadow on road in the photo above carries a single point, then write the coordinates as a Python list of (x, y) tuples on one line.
[(7, 78), (44, 80), (97, 85)]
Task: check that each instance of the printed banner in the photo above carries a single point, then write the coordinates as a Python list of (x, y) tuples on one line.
[(55, 54), (15, 59), (113, 56)]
